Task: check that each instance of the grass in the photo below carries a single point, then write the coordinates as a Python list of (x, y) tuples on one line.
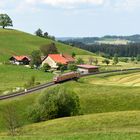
[(130, 79), (114, 41), (106, 126), (109, 102), (16, 76), (110, 111), (94, 98), (19, 43), (82, 136)]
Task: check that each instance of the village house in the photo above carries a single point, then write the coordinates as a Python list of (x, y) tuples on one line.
[(86, 69), (20, 60), (54, 59)]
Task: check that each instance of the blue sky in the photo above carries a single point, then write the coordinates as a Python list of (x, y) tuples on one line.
[(75, 18)]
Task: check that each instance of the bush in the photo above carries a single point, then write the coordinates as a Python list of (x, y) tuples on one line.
[(124, 60), (55, 103), (72, 67), (106, 61), (61, 67), (138, 57), (80, 61), (48, 49), (30, 82), (46, 67)]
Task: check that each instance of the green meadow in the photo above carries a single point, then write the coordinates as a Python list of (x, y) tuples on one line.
[(14, 42), (110, 103), (12, 76), (109, 111)]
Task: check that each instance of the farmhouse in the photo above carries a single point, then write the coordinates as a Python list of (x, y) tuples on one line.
[(86, 69), (54, 59), (20, 60)]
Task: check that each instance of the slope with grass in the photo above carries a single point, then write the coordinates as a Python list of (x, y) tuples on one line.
[(14, 42), (105, 126), (94, 98), (12, 77), (130, 79)]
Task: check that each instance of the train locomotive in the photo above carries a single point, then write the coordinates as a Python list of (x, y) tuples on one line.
[(66, 77)]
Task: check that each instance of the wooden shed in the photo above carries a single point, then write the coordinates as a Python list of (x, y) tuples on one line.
[(86, 69)]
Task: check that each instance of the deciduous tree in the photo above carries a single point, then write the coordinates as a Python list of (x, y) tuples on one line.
[(39, 33), (35, 58), (5, 21), (49, 49), (55, 103)]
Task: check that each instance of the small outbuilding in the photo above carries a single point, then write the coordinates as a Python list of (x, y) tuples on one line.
[(20, 60), (86, 69)]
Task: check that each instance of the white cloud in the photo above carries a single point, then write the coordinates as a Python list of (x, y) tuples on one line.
[(38, 5), (66, 3), (129, 5)]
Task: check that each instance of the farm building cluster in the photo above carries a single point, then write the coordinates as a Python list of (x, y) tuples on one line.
[(53, 59)]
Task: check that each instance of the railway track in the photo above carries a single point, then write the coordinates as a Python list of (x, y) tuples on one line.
[(29, 91), (46, 85)]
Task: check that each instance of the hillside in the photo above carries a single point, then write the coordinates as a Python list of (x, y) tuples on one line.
[(14, 42), (94, 98), (124, 124), (105, 126)]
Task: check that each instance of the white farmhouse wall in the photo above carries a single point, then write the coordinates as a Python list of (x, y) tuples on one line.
[(84, 71), (51, 62)]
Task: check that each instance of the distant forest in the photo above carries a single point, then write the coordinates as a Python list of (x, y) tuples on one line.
[(93, 40), (129, 50)]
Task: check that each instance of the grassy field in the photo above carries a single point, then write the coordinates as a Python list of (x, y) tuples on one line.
[(82, 136), (14, 42), (132, 80), (120, 65), (12, 77), (94, 99), (114, 41), (105, 126)]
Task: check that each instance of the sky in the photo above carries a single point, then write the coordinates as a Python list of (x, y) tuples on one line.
[(75, 18)]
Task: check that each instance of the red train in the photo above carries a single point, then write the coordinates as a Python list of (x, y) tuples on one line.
[(67, 76)]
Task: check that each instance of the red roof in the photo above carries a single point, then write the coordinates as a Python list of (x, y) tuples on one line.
[(87, 66), (68, 57), (58, 58), (20, 58)]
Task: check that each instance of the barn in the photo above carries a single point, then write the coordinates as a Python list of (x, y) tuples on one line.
[(20, 60), (86, 69)]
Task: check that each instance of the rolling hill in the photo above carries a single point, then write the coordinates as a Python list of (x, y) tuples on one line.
[(13, 42), (109, 113), (109, 102), (116, 125)]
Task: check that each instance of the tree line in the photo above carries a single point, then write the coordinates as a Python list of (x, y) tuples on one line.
[(128, 50)]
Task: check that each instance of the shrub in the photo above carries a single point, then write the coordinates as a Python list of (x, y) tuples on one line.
[(72, 67), (61, 67), (138, 57), (124, 60), (80, 61), (115, 59), (30, 82), (132, 58), (46, 67), (49, 49), (55, 103), (106, 61)]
